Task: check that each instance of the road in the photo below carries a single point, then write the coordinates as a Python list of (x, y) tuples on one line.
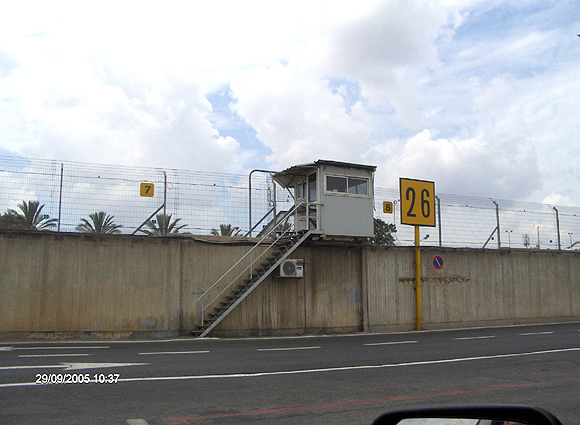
[(314, 380)]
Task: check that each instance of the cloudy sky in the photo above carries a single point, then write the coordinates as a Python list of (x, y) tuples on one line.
[(480, 96)]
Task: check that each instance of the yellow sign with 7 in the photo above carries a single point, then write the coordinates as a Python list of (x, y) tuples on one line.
[(147, 189), (417, 202)]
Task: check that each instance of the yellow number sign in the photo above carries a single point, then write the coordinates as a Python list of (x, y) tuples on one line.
[(417, 202), (147, 189), (387, 207)]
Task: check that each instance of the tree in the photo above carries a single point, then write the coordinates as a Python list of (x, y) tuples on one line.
[(99, 223), (29, 217), (162, 225), (284, 227), (226, 230), (11, 221), (384, 233)]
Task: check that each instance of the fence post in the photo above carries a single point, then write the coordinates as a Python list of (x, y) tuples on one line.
[(439, 217), (558, 227), (60, 196), (165, 195), (498, 230)]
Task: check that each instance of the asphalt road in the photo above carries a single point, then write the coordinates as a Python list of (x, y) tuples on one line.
[(307, 380)]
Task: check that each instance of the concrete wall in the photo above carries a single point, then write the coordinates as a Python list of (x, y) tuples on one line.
[(327, 299), (70, 283), (473, 288), (118, 286)]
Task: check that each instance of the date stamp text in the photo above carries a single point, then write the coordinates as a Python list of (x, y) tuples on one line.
[(77, 378)]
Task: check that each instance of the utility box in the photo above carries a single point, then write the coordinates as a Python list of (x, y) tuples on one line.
[(332, 198), (292, 268)]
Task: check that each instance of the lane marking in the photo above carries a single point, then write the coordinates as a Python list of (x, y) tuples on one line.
[(137, 422), (73, 366), (302, 371), (474, 337), (391, 343), (181, 420), (53, 355), (33, 367), (50, 348), (288, 349), (174, 352), (346, 368), (536, 333)]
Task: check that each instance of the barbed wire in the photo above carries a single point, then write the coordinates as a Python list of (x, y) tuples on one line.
[(70, 191)]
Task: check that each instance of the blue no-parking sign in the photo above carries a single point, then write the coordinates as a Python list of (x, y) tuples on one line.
[(438, 262)]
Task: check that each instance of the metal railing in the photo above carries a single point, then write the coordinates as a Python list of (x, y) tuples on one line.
[(71, 191), (268, 241)]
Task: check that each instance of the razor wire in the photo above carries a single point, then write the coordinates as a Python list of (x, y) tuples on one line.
[(70, 191)]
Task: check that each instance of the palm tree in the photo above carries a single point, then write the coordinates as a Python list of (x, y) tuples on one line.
[(163, 225), (284, 227), (226, 230), (29, 217), (99, 223), (384, 233), (11, 221)]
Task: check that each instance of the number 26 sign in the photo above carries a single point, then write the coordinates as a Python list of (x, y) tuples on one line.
[(417, 202)]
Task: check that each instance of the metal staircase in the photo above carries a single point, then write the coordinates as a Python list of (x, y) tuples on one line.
[(276, 247)]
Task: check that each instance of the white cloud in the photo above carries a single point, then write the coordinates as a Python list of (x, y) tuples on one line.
[(494, 83), (492, 168), (557, 199), (388, 51), (103, 115), (299, 117), (398, 34)]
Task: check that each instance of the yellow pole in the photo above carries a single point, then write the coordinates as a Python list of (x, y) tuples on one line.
[(418, 276)]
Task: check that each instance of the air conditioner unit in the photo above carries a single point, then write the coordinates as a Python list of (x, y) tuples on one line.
[(292, 268)]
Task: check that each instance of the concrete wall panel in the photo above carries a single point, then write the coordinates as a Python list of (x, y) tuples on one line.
[(54, 283)]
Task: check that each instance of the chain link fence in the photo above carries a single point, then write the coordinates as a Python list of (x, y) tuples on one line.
[(464, 221), (70, 191)]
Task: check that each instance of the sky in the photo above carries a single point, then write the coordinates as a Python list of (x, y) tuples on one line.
[(479, 96)]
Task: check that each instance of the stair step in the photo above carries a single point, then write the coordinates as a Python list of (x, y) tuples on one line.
[(281, 249)]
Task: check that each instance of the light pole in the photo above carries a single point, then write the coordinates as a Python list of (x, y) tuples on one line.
[(509, 232)]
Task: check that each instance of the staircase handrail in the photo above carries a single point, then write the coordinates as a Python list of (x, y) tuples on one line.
[(215, 321), (259, 222), (201, 299)]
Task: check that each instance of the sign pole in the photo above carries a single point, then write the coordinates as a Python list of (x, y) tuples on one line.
[(417, 209), (418, 277)]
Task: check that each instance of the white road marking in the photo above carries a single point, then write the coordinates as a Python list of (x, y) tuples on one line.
[(332, 369), (74, 366), (50, 348), (33, 367), (175, 352), (347, 368), (392, 343), (137, 422), (53, 355), (536, 333), (288, 349), (474, 337)]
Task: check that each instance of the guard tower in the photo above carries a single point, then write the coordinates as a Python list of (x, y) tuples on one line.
[(331, 198)]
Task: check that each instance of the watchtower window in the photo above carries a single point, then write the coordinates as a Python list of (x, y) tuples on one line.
[(312, 187), (358, 186), (347, 185), (301, 190), (336, 184)]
